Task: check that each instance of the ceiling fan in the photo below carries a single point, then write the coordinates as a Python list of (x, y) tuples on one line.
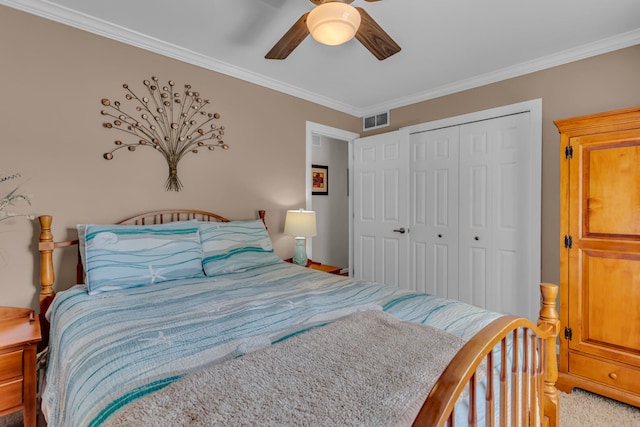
[(334, 22)]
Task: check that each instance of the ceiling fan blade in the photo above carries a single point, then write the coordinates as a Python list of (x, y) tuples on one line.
[(290, 40), (374, 38)]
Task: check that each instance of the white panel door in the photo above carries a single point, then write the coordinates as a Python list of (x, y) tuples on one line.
[(433, 162), (495, 213), (380, 206)]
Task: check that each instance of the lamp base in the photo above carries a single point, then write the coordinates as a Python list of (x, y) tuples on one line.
[(300, 252)]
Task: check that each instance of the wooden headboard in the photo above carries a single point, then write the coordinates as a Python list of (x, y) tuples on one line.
[(47, 245), (161, 217)]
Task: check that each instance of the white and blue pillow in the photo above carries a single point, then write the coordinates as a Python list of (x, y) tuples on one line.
[(125, 256), (235, 246)]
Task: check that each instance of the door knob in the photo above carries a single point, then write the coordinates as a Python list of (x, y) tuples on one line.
[(476, 238), (400, 230), (440, 236)]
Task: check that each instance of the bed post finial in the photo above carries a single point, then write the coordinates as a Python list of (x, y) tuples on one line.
[(549, 321)]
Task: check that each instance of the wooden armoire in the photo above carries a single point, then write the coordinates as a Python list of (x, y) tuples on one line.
[(600, 254)]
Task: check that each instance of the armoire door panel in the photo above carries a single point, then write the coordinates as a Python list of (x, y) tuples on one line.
[(609, 300), (612, 173), (604, 263)]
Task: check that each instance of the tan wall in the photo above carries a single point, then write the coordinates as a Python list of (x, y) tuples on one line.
[(602, 83), (53, 78)]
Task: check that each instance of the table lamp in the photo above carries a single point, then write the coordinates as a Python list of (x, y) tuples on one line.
[(300, 224)]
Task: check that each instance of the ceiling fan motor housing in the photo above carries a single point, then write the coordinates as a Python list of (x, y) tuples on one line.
[(333, 23)]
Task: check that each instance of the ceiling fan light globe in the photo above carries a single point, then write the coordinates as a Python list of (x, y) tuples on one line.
[(333, 23)]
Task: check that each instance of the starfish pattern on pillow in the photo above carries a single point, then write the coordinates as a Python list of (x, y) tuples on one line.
[(155, 275)]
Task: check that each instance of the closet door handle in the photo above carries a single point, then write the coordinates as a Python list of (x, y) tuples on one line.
[(400, 230)]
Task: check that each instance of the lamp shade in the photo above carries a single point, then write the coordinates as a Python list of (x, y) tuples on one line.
[(300, 223), (333, 23)]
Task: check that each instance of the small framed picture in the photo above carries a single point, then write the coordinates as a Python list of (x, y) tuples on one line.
[(319, 180)]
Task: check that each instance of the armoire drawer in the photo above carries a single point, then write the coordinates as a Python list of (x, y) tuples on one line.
[(622, 376)]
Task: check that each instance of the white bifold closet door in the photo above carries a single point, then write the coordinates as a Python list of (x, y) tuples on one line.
[(433, 236), (468, 211)]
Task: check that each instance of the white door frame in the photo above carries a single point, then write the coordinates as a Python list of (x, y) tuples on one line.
[(330, 132)]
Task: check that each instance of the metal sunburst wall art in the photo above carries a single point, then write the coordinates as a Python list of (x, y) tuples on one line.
[(172, 122)]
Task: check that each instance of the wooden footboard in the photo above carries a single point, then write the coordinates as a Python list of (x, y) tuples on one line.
[(526, 394)]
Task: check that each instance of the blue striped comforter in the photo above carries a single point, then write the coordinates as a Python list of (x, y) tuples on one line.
[(108, 349)]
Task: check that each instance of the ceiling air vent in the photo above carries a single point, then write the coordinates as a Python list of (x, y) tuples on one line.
[(376, 121)]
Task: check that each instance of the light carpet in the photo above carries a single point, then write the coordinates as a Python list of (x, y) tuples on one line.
[(582, 408), (578, 409)]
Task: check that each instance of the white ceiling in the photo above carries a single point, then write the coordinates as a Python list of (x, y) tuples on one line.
[(447, 45)]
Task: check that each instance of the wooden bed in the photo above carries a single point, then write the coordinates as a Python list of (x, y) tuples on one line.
[(526, 391)]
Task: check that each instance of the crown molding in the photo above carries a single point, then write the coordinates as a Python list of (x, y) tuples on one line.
[(53, 12), (109, 30), (603, 46)]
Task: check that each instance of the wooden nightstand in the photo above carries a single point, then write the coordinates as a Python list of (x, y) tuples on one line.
[(322, 267), (19, 337)]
